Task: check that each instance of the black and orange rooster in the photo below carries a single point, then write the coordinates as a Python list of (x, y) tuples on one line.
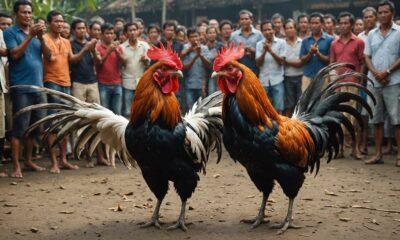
[(166, 146), (274, 147)]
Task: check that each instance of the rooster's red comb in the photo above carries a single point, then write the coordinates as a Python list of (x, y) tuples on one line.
[(165, 56), (228, 54)]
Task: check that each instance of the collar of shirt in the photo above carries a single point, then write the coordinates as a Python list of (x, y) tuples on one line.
[(352, 38), (251, 31)]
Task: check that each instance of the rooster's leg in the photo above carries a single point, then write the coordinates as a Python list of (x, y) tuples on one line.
[(261, 214), (287, 223), (180, 223), (154, 219)]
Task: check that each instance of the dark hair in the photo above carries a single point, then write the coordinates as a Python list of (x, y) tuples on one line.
[(180, 29), (139, 20), (290, 20), (267, 22), (225, 22), (127, 25), (118, 19), (245, 11), (106, 26), (21, 3), (328, 15), (369, 9), (52, 14), (190, 31), (211, 27), (347, 14), (94, 23), (317, 15), (277, 15), (3, 15), (303, 15), (76, 21), (39, 18), (169, 23), (155, 26), (390, 4)]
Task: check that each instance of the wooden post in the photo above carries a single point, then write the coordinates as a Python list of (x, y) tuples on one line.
[(133, 10), (164, 11)]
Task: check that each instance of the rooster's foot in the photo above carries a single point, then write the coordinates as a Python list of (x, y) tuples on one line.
[(284, 226), (255, 222), (154, 222), (179, 224)]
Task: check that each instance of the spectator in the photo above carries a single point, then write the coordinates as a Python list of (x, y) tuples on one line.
[(66, 31), (95, 30), (358, 26), (5, 21), (135, 52), (213, 23), (23, 42), (195, 63), (180, 35), (330, 25), (304, 26), (278, 20), (118, 24), (213, 46), (382, 57), (153, 33), (84, 83), (314, 52), (3, 89), (225, 29), (40, 20), (142, 34), (108, 74), (202, 33), (269, 58), (57, 54), (348, 48), (120, 36), (249, 37), (293, 67)]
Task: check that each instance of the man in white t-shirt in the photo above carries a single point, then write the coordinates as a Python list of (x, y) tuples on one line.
[(135, 52), (3, 89)]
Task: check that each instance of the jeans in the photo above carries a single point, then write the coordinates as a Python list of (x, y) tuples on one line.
[(292, 90), (212, 86), (128, 95), (111, 97), (191, 96), (276, 94), (52, 99)]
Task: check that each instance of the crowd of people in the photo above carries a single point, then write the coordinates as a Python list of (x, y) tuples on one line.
[(103, 62)]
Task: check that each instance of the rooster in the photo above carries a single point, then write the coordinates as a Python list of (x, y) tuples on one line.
[(274, 147), (165, 145)]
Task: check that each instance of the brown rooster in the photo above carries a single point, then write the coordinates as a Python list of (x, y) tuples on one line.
[(273, 147), (165, 145)]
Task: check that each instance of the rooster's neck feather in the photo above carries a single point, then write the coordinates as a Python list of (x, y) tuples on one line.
[(150, 102)]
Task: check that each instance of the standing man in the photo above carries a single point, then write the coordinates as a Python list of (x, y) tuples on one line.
[(303, 26), (278, 20), (3, 90), (225, 30), (95, 30), (135, 52), (330, 25), (349, 49), (57, 54), (269, 58), (5, 21), (382, 57), (249, 37), (23, 42), (315, 49)]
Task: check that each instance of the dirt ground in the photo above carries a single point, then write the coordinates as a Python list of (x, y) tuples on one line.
[(347, 200)]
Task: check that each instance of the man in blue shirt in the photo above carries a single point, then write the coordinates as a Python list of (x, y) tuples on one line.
[(24, 44), (248, 36), (315, 49)]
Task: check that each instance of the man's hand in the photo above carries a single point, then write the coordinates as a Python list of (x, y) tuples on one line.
[(314, 49), (36, 29), (267, 47), (381, 77), (197, 48), (143, 59)]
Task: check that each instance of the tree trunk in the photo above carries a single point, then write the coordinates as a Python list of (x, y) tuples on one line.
[(133, 10), (164, 11)]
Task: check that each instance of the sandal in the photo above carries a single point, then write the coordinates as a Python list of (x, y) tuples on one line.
[(374, 160)]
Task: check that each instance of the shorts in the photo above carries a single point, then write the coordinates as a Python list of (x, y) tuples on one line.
[(387, 104), (21, 100)]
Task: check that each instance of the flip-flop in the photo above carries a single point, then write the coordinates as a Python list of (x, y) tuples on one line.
[(374, 161)]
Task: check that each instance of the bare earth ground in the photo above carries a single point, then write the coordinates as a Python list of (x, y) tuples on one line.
[(79, 204)]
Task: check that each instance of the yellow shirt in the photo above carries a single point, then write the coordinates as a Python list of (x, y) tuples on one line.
[(57, 70)]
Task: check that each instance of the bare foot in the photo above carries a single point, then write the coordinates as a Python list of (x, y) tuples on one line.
[(103, 162), (3, 175), (16, 174), (90, 164), (55, 170), (67, 165), (30, 166)]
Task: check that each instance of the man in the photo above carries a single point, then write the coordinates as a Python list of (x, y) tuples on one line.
[(304, 26), (142, 34), (213, 23), (249, 37), (278, 20), (5, 21), (213, 47), (118, 24), (3, 89), (95, 30), (314, 52), (382, 57), (66, 31), (225, 30), (135, 52), (269, 59), (24, 42), (108, 73), (330, 25), (195, 62), (57, 54), (349, 49)]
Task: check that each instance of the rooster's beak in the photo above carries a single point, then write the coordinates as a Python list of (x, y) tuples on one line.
[(217, 74), (177, 73)]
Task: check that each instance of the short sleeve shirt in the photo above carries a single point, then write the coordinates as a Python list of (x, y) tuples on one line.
[(271, 72), (312, 67), (108, 73), (292, 52), (28, 69), (384, 51), (83, 70), (195, 76), (3, 61), (57, 70)]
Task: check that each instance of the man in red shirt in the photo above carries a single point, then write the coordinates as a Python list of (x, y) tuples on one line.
[(108, 69), (348, 48)]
